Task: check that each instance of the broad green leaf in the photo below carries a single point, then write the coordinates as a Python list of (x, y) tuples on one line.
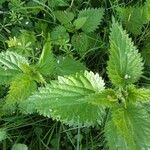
[(10, 65), (46, 62), (59, 36), (138, 95), (132, 18), (6, 75), (3, 134), (63, 100), (19, 146), (11, 60), (20, 89), (65, 64), (80, 41), (129, 129), (106, 98), (65, 18), (94, 18), (33, 72), (135, 17), (79, 22), (125, 63)]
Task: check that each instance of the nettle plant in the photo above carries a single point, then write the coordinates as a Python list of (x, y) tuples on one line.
[(77, 28), (135, 17), (23, 78), (81, 99)]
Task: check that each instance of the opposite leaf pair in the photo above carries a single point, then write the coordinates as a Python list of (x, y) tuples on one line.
[(81, 99)]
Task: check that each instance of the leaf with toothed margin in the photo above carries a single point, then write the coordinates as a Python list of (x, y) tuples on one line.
[(67, 99), (128, 129), (10, 66), (93, 18), (125, 63), (20, 89)]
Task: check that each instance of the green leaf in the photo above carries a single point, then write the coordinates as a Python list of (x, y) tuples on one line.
[(64, 100), (55, 3), (129, 129), (94, 17), (59, 36), (33, 72), (65, 64), (20, 89), (125, 63), (106, 98), (132, 18), (19, 146), (138, 95), (146, 49), (3, 134), (146, 9), (79, 22), (80, 41), (11, 60), (46, 62), (135, 17), (6, 75), (10, 65), (65, 18)]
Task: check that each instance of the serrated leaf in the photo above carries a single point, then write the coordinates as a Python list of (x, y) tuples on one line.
[(6, 76), (79, 22), (19, 146), (10, 65), (11, 60), (59, 36), (125, 63), (65, 18), (65, 64), (132, 18), (94, 18), (20, 89), (62, 99), (135, 17), (33, 72), (106, 98), (138, 95), (129, 129), (80, 42), (46, 62)]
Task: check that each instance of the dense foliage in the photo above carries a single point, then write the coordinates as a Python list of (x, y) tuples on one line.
[(74, 74)]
